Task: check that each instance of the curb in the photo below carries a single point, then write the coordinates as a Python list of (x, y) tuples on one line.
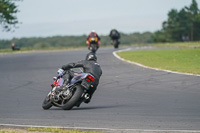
[(138, 64)]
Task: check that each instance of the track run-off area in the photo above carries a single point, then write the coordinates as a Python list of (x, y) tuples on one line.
[(129, 97)]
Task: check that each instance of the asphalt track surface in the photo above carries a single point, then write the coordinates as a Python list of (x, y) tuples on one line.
[(128, 96)]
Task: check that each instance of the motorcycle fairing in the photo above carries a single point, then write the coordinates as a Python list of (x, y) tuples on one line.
[(78, 78)]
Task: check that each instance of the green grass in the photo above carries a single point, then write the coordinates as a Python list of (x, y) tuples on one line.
[(174, 45), (58, 130), (178, 45), (43, 130), (41, 49), (180, 60)]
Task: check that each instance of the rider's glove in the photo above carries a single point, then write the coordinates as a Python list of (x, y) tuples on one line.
[(60, 72)]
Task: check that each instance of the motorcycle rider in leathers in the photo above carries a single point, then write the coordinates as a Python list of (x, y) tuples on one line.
[(93, 34), (89, 65), (114, 34)]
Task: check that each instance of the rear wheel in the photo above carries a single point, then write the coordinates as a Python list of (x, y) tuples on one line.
[(116, 44), (74, 99), (47, 103)]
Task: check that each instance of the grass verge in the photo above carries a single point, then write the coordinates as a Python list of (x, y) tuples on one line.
[(179, 60), (42, 130), (42, 49), (178, 45)]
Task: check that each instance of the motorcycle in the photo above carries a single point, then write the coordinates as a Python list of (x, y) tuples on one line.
[(72, 94), (115, 43), (93, 44)]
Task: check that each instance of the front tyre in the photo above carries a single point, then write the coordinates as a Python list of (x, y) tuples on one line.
[(46, 103), (74, 99), (94, 47)]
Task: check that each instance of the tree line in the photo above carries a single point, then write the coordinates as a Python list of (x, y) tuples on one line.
[(73, 41), (183, 25)]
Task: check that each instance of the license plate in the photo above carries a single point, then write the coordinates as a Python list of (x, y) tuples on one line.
[(85, 84)]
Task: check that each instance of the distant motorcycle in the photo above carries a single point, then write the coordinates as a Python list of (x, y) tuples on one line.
[(93, 44), (115, 43), (73, 94)]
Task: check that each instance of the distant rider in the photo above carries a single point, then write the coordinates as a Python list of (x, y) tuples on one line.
[(89, 65), (114, 34), (95, 35)]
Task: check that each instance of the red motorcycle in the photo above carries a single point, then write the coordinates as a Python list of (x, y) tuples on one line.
[(93, 44)]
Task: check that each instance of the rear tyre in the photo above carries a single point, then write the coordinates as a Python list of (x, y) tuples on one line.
[(116, 44), (46, 103), (74, 99)]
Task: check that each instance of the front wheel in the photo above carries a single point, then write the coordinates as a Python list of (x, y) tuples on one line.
[(94, 47), (46, 103), (74, 99)]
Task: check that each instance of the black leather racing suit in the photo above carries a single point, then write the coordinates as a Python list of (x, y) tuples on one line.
[(114, 34), (88, 67)]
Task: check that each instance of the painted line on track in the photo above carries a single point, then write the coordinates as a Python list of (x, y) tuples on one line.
[(138, 64), (103, 129)]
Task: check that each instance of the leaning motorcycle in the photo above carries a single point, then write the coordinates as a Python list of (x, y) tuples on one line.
[(93, 44), (72, 94)]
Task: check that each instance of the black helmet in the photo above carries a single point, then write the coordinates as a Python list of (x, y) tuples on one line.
[(91, 56)]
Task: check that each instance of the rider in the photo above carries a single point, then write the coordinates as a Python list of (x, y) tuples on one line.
[(93, 34), (89, 65), (114, 34)]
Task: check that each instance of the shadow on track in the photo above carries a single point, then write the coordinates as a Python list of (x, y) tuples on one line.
[(90, 108), (97, 107)]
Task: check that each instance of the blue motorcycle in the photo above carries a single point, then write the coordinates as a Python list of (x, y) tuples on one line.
[(72, 94)]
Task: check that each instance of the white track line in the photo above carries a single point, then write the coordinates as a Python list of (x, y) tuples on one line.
[(138, 64), (104, 129)]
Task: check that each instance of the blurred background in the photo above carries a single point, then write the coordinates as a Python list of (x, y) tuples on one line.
[(40, 24)]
